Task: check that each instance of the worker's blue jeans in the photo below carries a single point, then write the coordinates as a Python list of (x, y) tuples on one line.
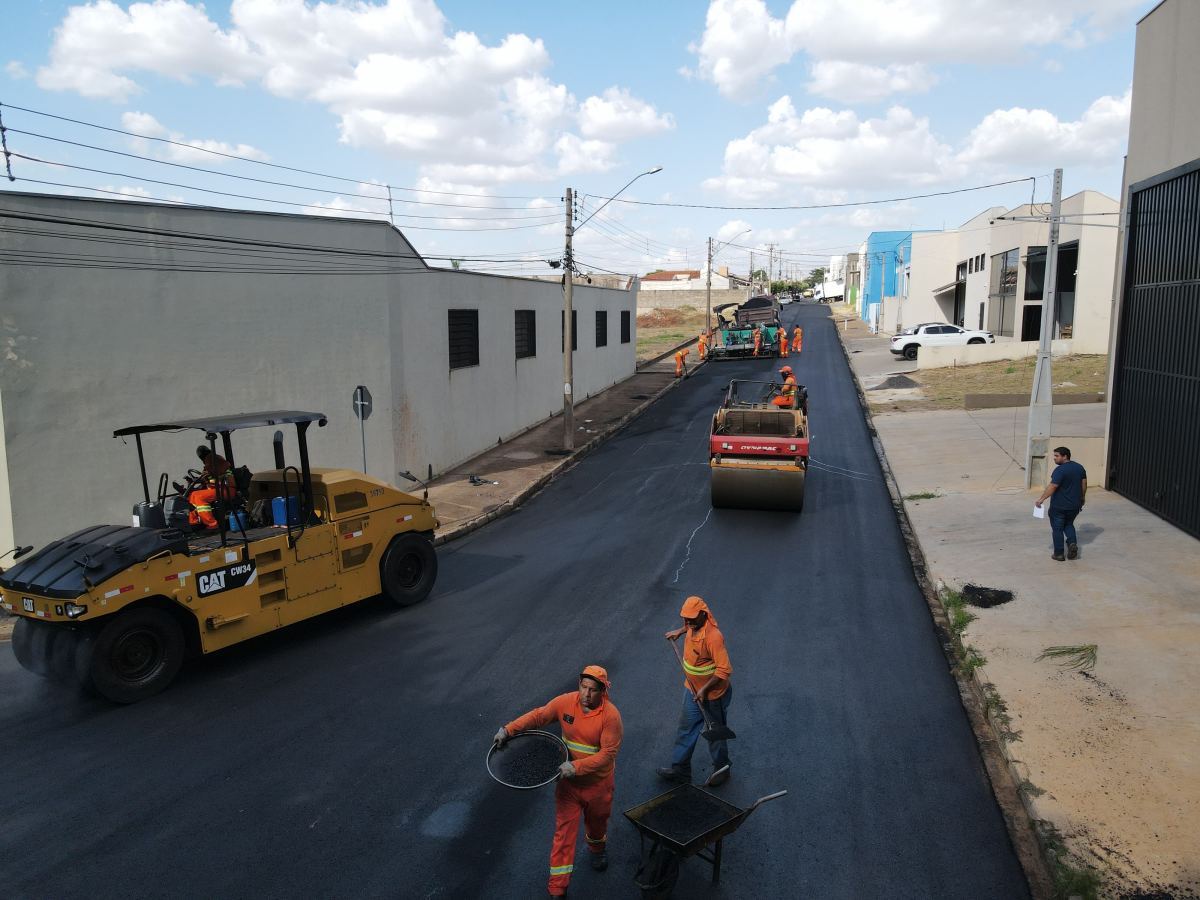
[(1062, 522), (691, 723)]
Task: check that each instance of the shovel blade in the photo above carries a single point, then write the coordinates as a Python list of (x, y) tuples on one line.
[(718, 733)]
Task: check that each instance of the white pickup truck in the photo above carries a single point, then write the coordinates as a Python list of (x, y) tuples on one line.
[(936, 334)]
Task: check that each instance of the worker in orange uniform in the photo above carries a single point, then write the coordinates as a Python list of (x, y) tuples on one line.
[(786, 398), (781, 333), (592, 730), (217, 480), (706, 672), (797, 339), (758, 338), (678, 363), (702, 343)]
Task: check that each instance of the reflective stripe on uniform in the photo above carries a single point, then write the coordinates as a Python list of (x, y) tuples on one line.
[(699, 670), (592, 840), (561, 870), (581, 748)]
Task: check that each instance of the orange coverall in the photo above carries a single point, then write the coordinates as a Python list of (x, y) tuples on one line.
[(220, 478), (787, 397), (757, 340), (678, 363), (593, 738), (702, 343), (783, 341), (797, 339)]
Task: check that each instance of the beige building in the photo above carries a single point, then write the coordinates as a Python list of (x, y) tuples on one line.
[(989, 274), (118, 313), (1153, 435)]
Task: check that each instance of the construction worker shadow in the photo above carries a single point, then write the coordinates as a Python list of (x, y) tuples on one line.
[(1088, 532)]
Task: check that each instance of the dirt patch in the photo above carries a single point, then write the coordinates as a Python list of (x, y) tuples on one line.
[(661, 329), (985, 597), (947, 388)]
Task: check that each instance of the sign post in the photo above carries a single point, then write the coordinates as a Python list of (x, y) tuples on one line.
[(362, 411)]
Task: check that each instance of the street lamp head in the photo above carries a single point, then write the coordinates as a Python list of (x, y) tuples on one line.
[(654, 171)]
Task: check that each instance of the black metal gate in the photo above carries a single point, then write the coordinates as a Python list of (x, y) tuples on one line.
[(1154, 449)]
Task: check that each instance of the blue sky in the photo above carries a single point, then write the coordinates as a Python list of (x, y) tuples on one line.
[(743, 103)]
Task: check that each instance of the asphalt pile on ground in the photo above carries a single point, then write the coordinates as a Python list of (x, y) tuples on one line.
[(895, 383)]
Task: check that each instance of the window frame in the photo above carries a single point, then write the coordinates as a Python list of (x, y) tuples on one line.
[(601, 328), (528, 331), (469, 320), (626, 330)]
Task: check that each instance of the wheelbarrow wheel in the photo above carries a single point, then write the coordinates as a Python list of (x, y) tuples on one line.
[(658, 872)]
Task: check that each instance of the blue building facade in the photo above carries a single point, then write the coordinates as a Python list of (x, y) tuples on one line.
[(887, 252)]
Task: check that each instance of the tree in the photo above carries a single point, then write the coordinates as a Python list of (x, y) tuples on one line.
[(816, 276)]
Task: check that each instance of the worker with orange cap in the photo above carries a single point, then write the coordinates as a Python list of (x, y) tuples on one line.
[(592, 730), (758, 338), (781, 334), (786, 398), (702, 343), (797, 339), (706, 672)]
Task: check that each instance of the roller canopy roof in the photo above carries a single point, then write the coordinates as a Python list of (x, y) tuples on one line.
[(230, 423)]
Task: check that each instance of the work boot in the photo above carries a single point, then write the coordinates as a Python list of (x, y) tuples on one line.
[(670, 773), (1072, 551), (599, 861), (1057, 557)]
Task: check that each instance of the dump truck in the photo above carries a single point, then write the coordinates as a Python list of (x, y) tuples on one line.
[(758, 448), (737, 322), (115, 609)]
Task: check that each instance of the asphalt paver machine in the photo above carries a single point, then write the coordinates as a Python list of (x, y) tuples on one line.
[(758, 449), (116, 608), (736, 324)]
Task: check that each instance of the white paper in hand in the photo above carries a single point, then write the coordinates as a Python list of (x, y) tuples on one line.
[(1039, 512)]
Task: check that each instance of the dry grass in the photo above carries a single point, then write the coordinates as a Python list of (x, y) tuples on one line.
[(660, 330), (946, 388)]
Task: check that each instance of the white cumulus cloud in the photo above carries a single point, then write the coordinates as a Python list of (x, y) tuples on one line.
[(183, 149), (743, 43), (391, 72)]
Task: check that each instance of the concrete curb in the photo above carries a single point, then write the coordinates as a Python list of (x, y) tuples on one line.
[(512, 503), (1020, 817)]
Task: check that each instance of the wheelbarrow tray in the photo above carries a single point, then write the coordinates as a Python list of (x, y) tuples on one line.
[(686, 819)]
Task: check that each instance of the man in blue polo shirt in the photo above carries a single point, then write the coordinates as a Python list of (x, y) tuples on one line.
[(1067, 490)]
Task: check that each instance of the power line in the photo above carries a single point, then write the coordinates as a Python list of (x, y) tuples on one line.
[(978, 187), (260, 162)]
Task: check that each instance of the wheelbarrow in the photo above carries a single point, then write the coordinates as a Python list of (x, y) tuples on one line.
[(687, 821)]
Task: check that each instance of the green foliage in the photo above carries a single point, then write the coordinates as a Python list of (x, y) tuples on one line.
[(922, 495), (1081, 657), (1070, 880)]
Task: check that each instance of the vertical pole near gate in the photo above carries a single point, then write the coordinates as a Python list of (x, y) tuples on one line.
[(1041, 400)]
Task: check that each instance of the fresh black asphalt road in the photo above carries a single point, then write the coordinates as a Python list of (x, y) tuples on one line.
[(345, 757)]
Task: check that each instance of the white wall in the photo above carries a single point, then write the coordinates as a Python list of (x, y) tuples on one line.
[(104, 348), (7, 538), (940, 357)]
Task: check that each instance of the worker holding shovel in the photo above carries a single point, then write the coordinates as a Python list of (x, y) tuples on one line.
[(707, 694)]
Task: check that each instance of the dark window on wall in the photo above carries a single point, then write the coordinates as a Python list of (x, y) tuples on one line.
[(526, 331), (601, 328), (968, 268), (464, 337), (574, 330), (624, 326)]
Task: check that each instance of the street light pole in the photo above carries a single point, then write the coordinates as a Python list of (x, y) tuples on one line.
[(708, 293), (1041, 400), (568, 332)]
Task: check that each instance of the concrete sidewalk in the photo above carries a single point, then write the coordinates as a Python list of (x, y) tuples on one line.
[(1110, 756)]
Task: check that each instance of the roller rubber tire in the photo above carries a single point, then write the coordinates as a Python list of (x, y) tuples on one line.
[(408, 569), (133, 656), (28, 642)]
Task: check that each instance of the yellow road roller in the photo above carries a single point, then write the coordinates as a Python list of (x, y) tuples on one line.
[(758, 447), (223, 557)]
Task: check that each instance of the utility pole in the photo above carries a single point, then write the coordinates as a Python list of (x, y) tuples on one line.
[(567, 331), (751, 293), (1041, 400), (708, 293)]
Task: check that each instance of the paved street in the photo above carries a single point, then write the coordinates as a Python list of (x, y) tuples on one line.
[(345, 757)]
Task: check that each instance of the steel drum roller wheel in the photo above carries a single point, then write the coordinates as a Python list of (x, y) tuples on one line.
[(408, 569), (780, 489)]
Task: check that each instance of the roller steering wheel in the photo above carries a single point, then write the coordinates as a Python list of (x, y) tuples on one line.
[(194, 479)]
